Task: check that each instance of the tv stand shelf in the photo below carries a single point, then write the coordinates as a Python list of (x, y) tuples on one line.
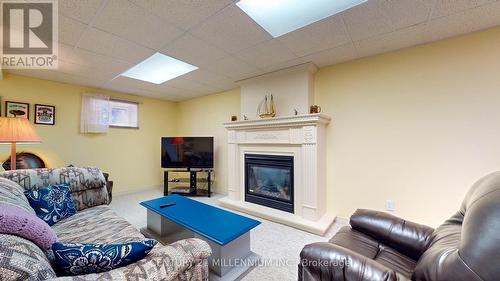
[(187, 185)]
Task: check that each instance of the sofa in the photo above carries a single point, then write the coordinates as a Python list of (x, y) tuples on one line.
[(379, 246), (94, 222)]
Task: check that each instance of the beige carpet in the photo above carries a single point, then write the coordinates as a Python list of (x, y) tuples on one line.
[(277, 244)]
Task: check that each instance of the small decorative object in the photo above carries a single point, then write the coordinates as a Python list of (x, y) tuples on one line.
[(295, 111), (245, 117), (315, 109), (266, 108), (17, 109), (234, 118), (45, 114)]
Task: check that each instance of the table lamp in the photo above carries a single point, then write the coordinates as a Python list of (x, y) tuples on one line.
[(16, 130)]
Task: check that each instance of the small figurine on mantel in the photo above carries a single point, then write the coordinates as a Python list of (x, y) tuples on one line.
[(266, 108)]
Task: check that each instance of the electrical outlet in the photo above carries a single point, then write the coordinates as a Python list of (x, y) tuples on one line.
[(389, 205)]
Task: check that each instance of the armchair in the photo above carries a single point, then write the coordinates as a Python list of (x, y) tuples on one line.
[(378, 246)]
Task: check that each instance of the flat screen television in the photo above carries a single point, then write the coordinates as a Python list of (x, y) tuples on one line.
[(187, 152)]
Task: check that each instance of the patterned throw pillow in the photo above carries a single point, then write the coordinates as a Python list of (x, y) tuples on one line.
[(52, 203), (78, 259)]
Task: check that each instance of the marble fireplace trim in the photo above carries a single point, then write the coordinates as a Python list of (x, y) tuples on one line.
[(302, 137)]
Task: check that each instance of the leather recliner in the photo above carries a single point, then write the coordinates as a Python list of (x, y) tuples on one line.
[(379, 246)]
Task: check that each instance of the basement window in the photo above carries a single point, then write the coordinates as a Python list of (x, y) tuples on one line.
[(124, 114)]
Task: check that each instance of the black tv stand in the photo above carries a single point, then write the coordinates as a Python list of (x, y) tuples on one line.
[(187, 186)]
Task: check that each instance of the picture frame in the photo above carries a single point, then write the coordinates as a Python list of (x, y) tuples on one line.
[(17, 109), (45, 114)]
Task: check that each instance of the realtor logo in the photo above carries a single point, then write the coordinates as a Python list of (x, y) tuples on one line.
[(29, 34)]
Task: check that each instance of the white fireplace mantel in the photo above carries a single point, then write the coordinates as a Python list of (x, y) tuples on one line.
[(300, 136)]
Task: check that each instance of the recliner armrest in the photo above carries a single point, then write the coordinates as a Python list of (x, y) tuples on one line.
[(407, 237), (327, 261)]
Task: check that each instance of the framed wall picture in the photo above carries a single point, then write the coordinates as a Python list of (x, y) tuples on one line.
[(17, 109), (45, 114)]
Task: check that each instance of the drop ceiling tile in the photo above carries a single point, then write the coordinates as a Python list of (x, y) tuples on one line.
[(367, 20), (85, 71), (59, 77), (191, 86), (332, 56), (319, 36), (266, 54), (405, 13), (90, 59), (471, 20), (104, 43), (399, 39), (205, 76), (80, 10), (449, 7), (234, 68), (133, 23), (183, 13), (193, 50), (70, 30), (232, 30)]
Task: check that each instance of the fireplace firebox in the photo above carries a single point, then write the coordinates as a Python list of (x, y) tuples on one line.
[(269, 181)]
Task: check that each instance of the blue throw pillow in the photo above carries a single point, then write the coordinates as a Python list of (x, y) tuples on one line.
[(52, 203), (78, 259)]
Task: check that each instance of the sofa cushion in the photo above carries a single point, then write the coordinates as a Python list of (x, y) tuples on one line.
[(87, 184), (52, 203), (79, 259), (22, 260), (98, 225), (17, 221), (365, 245), (13, 194)]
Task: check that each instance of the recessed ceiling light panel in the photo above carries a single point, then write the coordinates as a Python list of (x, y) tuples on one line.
[(279, 17), (158, 69)]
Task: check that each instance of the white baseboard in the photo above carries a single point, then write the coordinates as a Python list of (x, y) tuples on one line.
[(136, 190)]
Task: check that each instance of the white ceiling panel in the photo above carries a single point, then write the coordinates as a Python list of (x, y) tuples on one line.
[(367, 20), (123, 18), (332, 56), (225, 30), (317, 37), (70, 30), (81, 10), (266, 54), (406, 13), (193, 50), (391, 41), (104, 43), (99, 39), (463, 22), (445, 8), (233, 68), (183, 13)]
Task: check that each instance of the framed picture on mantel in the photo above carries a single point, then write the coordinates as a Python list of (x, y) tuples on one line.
[(45, 114)]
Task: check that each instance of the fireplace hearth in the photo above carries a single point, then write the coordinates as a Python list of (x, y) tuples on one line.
[(269, 181)]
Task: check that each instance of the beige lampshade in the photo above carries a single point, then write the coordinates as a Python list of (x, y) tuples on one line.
[(17, 130)]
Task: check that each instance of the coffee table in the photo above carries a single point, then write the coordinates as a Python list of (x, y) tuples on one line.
[(227, 233)]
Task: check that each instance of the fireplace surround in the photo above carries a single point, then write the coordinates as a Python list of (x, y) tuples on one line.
[(301, 137)]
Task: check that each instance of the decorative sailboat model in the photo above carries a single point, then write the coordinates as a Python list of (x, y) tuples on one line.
[(266, 108)]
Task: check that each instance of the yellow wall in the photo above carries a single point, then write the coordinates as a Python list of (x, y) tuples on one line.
[(204, 117), (131, 156), (418, 126)]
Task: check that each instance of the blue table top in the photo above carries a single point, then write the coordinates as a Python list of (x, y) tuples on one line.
[(213, 223)]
